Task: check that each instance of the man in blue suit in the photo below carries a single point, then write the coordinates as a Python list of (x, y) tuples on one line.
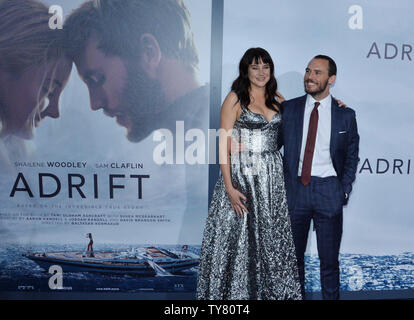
[(321, 144)]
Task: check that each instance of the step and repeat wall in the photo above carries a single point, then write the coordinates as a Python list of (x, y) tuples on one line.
[(372, 46), (108, 195)]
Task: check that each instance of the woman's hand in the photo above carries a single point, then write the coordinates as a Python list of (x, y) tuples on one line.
[(340, 103), (236, 198)]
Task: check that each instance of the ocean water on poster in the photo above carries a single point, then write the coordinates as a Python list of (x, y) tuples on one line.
[(359, 272), (19, 273)]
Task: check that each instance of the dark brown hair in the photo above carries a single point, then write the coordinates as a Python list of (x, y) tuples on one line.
[(119, 25), (241, 85)]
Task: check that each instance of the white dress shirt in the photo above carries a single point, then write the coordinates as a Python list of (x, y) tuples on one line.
[(322, 163)]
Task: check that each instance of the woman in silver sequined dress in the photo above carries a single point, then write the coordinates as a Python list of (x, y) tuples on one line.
[(248, 250)]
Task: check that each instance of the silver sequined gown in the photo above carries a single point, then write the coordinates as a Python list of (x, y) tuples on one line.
[(250, 257)]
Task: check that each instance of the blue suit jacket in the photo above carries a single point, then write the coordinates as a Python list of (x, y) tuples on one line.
[(344, 146)]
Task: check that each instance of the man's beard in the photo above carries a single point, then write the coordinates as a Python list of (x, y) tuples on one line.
[(142, 102), (318, 90)]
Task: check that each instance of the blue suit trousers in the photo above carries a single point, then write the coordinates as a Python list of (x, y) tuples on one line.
[(321, 201)]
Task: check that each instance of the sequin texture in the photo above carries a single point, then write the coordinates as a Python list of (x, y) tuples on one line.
[(250, 257)]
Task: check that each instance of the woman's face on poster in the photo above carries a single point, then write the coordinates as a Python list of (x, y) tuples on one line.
[(53, 85), (23, 97)]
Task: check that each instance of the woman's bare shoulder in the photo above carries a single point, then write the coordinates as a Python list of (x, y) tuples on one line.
[(231, 105)]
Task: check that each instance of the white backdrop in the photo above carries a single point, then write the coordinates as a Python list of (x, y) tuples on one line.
[(371, 42)]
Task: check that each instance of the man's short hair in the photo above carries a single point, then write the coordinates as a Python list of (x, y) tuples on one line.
[(119, 25), (332, 64)]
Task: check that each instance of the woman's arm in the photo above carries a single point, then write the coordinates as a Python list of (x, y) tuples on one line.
[(228, 116)]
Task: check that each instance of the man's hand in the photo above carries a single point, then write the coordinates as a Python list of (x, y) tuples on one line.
[(279, 97), (236, 147)]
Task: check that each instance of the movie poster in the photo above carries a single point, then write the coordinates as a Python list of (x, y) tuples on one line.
[(104, 182)]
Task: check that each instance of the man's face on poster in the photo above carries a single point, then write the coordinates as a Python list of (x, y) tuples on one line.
[(122, 89)]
